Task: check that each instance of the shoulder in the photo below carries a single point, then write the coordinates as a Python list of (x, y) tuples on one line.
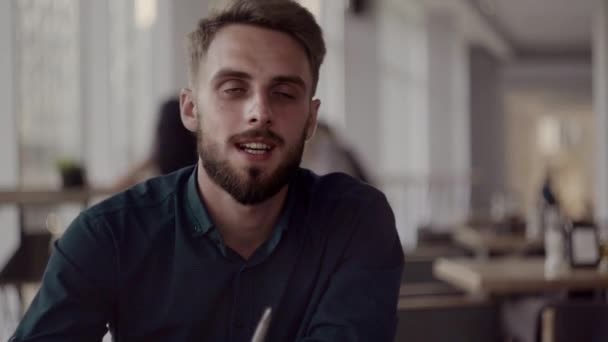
[(351, 218), (143, 205), (339, 187), (338, 202), (150, 193)]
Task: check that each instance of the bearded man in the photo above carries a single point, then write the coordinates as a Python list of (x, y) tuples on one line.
[(198, 255)]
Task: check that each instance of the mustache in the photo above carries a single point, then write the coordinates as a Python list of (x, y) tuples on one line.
[(257, 134)]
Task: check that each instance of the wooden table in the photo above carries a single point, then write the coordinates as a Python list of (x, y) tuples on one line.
[(483, 242), (25, 197), (505, 276)]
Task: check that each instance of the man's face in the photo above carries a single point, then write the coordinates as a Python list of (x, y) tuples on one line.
[(255, 110)]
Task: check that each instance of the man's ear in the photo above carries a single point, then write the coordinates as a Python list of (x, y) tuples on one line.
[(188, 109), (311, 125)]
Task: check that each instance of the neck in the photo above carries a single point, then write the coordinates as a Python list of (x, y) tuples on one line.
[(243, 227)]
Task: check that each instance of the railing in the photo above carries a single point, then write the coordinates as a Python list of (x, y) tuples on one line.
[(441, 202)]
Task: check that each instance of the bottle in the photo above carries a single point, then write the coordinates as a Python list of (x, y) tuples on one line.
[(602, 267), (534, 223), (556, 262)]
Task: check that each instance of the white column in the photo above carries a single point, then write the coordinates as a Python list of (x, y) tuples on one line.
[(100, 163), (403, 90), (403, 113), (9, 171), (449, 122), (154, 70), (600, 95), (331, 88), (361, 108), (119, 124), (8, 124)]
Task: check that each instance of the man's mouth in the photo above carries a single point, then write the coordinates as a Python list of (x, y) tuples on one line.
[(255, 147), (258, 144)]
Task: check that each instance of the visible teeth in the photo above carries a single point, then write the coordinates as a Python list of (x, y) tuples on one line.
[(255, 151), (256, 146)]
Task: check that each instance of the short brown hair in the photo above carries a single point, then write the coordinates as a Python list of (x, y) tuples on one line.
[(280, 15)]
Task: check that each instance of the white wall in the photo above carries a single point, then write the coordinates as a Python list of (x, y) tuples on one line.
[(155, 80), (449, 118), (9, 229), (403, 113), (362, 114), (95, 92), (488, 137), (331, 89), (119, 124), (185, 14), (448, 75), (403, 92), (406, 107), (600, 98)]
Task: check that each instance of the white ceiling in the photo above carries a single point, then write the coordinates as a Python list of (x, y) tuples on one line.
[(542, 25)]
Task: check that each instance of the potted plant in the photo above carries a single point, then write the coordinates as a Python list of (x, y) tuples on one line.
[(72, 173)]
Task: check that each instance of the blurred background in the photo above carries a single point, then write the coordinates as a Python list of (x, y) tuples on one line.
[(460, 111)]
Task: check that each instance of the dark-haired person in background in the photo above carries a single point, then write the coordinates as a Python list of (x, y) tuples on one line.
[(174, 147), (199, 254)]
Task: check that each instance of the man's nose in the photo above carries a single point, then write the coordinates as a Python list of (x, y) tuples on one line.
[(260, 111)]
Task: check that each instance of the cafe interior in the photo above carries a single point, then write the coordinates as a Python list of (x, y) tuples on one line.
[(485, 123)]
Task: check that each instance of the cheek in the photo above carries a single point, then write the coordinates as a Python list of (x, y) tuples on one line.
[(217, 119), (295, 131)]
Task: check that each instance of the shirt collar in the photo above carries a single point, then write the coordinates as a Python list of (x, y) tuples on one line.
[(197, 211), (202, 223)]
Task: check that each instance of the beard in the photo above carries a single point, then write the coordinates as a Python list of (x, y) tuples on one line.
[(252, 186)]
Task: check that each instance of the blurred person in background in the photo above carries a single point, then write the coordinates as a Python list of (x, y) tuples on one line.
[(325, 153), (199, 254), (174, 147), (548, 194)]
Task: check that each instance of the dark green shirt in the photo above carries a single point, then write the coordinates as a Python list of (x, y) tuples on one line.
[(150, 264)]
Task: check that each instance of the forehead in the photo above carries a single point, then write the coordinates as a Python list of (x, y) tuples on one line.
[(257, 51)]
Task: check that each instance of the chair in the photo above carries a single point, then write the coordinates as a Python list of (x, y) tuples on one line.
[(580, 321), (454, 318), (29, 261)]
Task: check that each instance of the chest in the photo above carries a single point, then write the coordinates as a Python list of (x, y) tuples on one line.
[(189, 293)]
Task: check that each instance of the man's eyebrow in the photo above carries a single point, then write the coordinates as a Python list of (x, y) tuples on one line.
[(231, 73), (297, 80)]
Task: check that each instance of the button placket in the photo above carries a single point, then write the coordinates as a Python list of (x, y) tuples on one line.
[(238, 321)]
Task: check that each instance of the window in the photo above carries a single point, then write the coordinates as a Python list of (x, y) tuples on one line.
[(48, 87)]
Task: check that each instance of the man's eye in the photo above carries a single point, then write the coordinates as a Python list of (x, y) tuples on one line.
[(284, 95), (234, 91)]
